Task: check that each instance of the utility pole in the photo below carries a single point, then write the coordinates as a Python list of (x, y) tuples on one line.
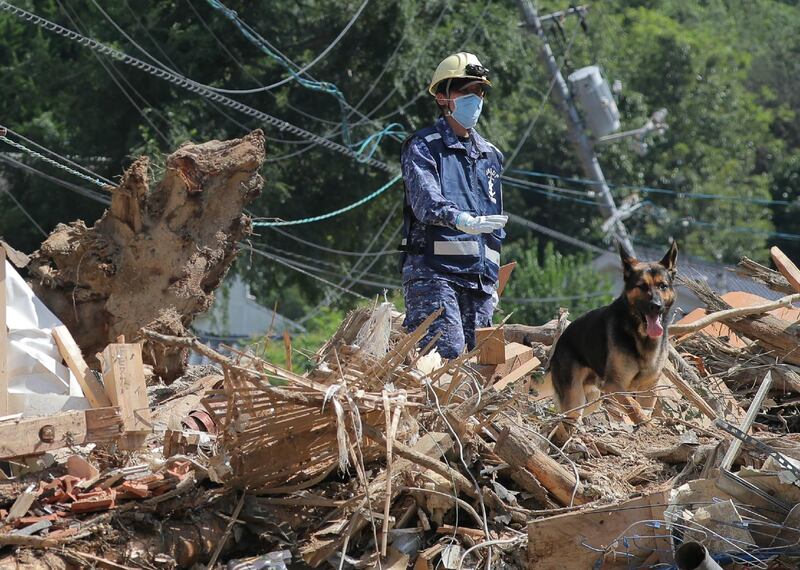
[(577, 133)]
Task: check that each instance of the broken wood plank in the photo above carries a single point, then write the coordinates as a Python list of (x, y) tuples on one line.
[(3, 337), (769, 277), (771, 332), (28, 436), (474, 533), (287, 348), (516, 449), (786, 267), (427, 556), (726, 314), (503, 275), (517, 373), (22, 504), (123, 377), (687, 391), (492, 345), (570, 540), (71, 353)]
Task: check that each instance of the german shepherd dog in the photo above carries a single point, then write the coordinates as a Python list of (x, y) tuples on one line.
[(621, 347)]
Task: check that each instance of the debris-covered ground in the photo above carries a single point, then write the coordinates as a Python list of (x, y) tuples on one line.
[(383, 456)]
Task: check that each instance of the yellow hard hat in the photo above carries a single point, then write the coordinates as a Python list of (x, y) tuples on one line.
[(460, 65)]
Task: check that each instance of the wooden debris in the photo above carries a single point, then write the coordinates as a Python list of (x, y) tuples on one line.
[(503, 275), (78, 467), (690, 394), (772, 333), (71, 353), (516, 449), (318, 549), (733, 313), (21, 506), (788, 269), (395, 561), (772, 279), (123, 376), (572, 540), (20, 437), (426, 558), (491, 345)]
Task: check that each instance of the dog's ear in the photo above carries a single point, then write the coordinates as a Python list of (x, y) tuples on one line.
[(628, 261), (671, 258)]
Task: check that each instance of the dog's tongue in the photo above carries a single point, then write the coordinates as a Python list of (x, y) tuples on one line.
[(654, 328)]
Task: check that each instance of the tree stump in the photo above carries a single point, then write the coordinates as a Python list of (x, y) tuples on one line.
[(157, 254)]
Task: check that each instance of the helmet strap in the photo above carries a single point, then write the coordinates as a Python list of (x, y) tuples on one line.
[(447, 110)]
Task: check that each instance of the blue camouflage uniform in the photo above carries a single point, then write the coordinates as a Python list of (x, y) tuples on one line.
[(444, 267)]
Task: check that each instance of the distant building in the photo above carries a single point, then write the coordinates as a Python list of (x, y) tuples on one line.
[(720, 278), (235, 318)]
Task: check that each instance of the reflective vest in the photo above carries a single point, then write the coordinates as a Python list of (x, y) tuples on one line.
[(473, 185)]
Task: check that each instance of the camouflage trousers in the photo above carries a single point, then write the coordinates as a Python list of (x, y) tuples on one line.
[(464, 311)]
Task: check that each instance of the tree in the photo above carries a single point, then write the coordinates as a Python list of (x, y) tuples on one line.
[(546, 280)]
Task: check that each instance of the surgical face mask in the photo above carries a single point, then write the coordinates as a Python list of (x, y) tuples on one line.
[(467, 110)]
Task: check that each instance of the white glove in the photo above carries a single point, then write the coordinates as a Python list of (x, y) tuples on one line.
[(470, 224)]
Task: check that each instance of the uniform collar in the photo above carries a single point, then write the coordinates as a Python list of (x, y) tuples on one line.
[(478, 146)]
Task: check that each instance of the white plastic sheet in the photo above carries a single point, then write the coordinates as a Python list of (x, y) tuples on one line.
[(38, 384)]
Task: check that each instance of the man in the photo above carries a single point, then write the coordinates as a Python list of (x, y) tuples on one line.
[(453, 222)]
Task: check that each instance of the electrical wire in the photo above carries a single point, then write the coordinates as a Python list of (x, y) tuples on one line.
[(91, 194), (59, 156), (330, 249), (303, 271), (23, 210), (184, 83), (111, 73), (233, 16)]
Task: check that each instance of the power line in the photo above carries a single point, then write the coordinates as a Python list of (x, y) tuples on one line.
[(24, 211), (555, 234), (60, 156), (313, 263), (553, 194), (316, 269), (251, 35), (254, 78), (387, 244), (542, 104), (648, 189), (320, 217), (303, 271), (52, 162), (185, 83), (91, 194), (330, 249), (111, 73)]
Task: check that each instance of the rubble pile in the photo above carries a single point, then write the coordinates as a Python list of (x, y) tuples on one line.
[(385, 456)]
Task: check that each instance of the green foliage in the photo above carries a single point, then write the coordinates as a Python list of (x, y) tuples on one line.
[(543, 273), (319, 329), (725, 70)]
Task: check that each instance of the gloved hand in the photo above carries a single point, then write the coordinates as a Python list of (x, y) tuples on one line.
[(470, 224)]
